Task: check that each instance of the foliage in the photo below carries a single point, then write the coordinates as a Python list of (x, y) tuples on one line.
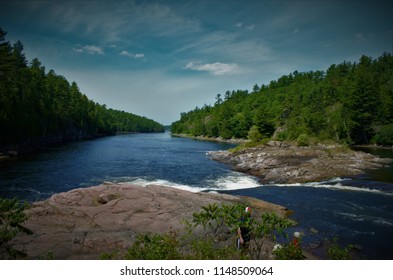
[(37, 105), (290, 251), (336, 252), (347, 104), (209, 249), (254, 135), (209, 235), (267, 226), (155, 247), (245, 145), (302, 140), (12, 216), (385, 135), (216, 216)]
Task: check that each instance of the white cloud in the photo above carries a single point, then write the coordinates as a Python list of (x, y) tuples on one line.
[(134, 91), (112, 19), (91, 49), (216, 68), (132, 55), (248, 27)]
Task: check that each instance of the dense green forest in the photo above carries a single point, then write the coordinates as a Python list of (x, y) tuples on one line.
[(350, 103), (35, 105)]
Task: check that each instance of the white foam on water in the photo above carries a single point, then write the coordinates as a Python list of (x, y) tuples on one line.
[(237, 181), (368, 218), (334, 184), (383, 222), (231, 181), (352, 216), (234, 181), (343, 187), (141, 182)]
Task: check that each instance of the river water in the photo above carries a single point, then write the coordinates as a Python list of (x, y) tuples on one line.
[(357, 210)]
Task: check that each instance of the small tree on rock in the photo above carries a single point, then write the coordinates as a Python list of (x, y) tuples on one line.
[(254, 135)]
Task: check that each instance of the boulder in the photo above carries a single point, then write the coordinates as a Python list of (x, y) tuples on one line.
[(88, 222), (279, 162)]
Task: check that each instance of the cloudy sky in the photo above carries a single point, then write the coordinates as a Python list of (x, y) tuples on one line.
[(160, 58)]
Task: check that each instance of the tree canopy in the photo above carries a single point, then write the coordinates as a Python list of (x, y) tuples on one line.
[(349, 103), (35, 104)]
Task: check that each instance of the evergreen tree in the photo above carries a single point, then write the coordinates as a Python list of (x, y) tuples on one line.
[(39, 106), (349, 103)]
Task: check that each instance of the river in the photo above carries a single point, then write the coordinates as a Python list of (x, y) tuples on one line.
[(357, 210)]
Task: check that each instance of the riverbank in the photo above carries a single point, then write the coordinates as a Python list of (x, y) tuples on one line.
[(280, 162), (89, 222), (12, 151), (216, 139)]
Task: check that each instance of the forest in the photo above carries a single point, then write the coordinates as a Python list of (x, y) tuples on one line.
[(349, 103), (36, 105)]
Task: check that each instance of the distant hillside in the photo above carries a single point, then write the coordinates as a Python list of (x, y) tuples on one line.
[(35, 105), (349, 103)]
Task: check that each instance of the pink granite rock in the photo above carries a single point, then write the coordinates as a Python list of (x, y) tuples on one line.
[(85, 223)]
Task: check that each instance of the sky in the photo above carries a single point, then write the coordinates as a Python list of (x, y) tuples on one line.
[(160, 58)]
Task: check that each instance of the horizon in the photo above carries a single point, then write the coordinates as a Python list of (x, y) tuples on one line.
[(158, 59)]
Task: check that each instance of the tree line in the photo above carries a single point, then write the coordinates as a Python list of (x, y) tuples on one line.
[(350, 103), (35, 105)]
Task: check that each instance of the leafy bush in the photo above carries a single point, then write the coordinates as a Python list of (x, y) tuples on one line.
[(385, 135), (289, 251), (209, 235), (209, 249), (155, 247), (336, 252), (302, 140), (267, 226), (281, 135), (12, 216), (254, 135)]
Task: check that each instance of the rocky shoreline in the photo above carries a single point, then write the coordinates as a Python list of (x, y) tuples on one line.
[(280, 162), (210, 139), (88, 222)]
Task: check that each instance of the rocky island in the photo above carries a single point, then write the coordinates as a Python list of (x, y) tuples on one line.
[(280, 162)]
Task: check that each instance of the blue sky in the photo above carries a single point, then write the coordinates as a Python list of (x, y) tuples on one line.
[(160, 58)]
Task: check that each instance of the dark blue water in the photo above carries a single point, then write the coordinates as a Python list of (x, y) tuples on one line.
[(357, 210), (137, 158), (354, 217)]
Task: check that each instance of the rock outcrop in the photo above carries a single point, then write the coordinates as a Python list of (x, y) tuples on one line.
[(85, 223), (279, 162)]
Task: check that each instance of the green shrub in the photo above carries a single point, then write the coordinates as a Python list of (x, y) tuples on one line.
[(155, 247), (209, 249), (385, 135), (282, 135), (302, 140), (336, 252), (254, 135), (289, 251), (12, 216), (268, 226), (214, 239)]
